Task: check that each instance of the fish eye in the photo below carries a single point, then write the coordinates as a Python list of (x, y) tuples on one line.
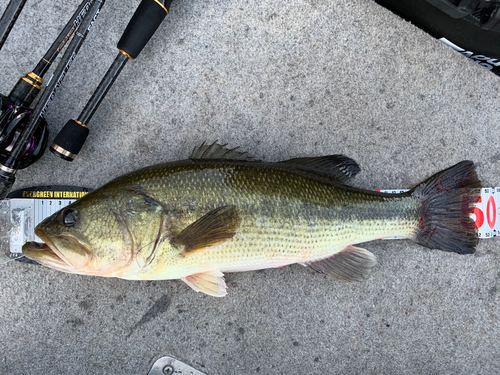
[(70, 216)]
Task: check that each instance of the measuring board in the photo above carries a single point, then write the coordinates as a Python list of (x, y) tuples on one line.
[(21, 212)]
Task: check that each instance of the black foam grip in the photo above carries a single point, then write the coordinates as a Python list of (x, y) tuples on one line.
[(146, 19), (70, 140)]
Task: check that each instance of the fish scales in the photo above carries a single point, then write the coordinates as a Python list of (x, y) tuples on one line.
[(286, 216)]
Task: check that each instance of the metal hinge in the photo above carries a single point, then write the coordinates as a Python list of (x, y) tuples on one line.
[(171, 366)]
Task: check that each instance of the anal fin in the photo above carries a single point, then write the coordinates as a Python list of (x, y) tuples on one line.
[(211, 283), (350, 264)]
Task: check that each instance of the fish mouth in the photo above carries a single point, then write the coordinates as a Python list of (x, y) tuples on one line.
[(48, 254), (43, 254)]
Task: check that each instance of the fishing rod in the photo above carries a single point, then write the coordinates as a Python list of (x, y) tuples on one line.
[(15, 108), (9, 18), (28, 86), (144, 23), (24, 143)]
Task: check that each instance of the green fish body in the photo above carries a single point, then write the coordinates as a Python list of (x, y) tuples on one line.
[(221, 212)]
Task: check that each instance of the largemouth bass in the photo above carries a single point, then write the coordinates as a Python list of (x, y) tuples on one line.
[(220, 211)]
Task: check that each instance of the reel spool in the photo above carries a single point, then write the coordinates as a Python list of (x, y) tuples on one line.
[(13, 121)]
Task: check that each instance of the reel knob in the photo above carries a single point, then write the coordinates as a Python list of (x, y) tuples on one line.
[(70, 140)]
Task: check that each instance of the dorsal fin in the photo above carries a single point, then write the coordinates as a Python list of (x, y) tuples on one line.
[(218, 151), (339, 167)]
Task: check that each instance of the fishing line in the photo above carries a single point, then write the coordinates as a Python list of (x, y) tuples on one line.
[(11, 260)]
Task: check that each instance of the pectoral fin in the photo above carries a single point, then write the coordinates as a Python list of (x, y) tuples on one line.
[(350, 264), (215, 227), (211, 283)]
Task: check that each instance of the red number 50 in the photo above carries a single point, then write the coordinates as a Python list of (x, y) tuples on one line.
[(491, 213)]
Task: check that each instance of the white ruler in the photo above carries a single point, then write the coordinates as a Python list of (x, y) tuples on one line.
[(20, 215), (25, 215)]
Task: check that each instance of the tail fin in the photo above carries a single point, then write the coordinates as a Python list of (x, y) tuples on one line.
[(447, 199)]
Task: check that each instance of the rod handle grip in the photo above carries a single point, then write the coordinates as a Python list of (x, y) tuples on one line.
[(145, 21), (69, 141)]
